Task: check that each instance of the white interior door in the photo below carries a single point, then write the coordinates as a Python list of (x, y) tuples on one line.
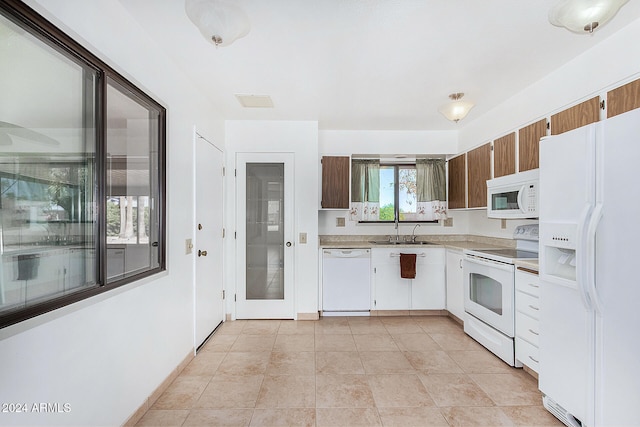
[(265, 232), (209, 304)]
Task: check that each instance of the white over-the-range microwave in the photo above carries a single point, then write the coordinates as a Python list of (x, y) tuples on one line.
[(513, 196)]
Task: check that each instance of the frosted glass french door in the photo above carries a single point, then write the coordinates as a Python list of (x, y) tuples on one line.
[(265, 251)]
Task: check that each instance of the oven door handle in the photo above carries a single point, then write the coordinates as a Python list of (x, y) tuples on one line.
[(489, 263)]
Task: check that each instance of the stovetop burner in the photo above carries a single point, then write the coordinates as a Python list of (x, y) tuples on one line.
[(526, 237)]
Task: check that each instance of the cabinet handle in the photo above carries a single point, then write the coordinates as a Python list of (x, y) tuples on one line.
[(460, 262), (533, 286), (535, 308), (533, 332), (534, 359)]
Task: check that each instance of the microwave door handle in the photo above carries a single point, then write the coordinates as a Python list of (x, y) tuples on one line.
[(521, 206)]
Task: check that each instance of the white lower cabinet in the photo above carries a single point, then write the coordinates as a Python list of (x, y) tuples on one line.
[(527, 318), (391, 292), (455, 283)]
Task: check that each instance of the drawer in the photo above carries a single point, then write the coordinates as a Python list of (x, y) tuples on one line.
[(527, 354), (528, 328), (527, 283), (528, 305)]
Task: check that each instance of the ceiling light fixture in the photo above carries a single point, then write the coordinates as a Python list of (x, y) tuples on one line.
[(220, 22), (457, 109), (583, 16)]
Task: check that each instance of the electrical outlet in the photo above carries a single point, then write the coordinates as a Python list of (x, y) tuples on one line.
[(188, 246), (503, 223), (340, 221), (448, 222), (303, 238)]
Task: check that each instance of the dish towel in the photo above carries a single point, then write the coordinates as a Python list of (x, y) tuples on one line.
[(408, 266)]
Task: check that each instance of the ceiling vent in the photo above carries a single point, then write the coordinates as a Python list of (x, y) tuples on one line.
[(255, 101)]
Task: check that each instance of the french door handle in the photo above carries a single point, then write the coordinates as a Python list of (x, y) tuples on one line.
[(288, 244), (202, 253)]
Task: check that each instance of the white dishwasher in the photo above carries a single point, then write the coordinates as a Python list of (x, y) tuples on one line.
[(346, 282)]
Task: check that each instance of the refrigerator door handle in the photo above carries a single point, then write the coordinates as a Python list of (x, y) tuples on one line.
[(581, 256), (590, 246)]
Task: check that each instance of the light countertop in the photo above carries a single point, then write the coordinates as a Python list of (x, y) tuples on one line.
[(456, 242), (531, 264)]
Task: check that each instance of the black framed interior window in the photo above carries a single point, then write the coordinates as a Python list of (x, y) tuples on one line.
[(82, 171)]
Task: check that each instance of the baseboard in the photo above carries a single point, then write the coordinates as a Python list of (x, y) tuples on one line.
[(308, 316), (530, 371), (385, 313), (381, 313), (149, 401), (454, 317), (428, 312)]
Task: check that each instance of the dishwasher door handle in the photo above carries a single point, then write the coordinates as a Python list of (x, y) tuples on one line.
[(346, 253)]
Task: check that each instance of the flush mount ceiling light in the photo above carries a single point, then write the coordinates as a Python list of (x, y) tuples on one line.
[(457, 109), (220, 22), (583, 16)]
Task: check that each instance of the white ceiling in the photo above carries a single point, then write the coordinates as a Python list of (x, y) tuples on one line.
[(371, 64)]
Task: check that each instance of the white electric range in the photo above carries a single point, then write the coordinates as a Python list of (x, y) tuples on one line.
[(489, 288)]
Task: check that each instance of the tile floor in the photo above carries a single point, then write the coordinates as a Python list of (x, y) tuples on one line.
[(378, 371)]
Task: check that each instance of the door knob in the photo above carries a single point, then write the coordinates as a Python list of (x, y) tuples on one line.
[(202, 253), (288, 244)]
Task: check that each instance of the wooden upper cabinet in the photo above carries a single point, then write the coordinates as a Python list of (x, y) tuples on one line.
[(529, 145), (623, 99), (479, 171), (577, 116), (504, 155), (335, 182), (457, 182)]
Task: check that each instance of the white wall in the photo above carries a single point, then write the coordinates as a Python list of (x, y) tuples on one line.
[(104, 356), (610, 63), (385, 143), (300, 138)]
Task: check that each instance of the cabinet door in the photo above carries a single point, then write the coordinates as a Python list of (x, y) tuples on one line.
[(390, 291), (504, 155), (455, 282), (428, 288), (529, 145), (623, 99), (457, 182), (479, 171), (577, 116), (335, 182)]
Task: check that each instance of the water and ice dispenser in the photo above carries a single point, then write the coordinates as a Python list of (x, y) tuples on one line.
[(558, 251)]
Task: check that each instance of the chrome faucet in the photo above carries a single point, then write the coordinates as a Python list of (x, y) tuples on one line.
[(397, 229), (413, 233)]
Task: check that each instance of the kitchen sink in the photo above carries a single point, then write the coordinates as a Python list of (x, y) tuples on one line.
[(401, 242)]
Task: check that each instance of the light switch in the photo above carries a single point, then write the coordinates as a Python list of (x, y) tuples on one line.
[(188, 246), (448, 222), (340, 221), (503, 223), (303, 238)]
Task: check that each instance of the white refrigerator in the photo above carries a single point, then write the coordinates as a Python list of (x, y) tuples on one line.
[(589, 264)]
